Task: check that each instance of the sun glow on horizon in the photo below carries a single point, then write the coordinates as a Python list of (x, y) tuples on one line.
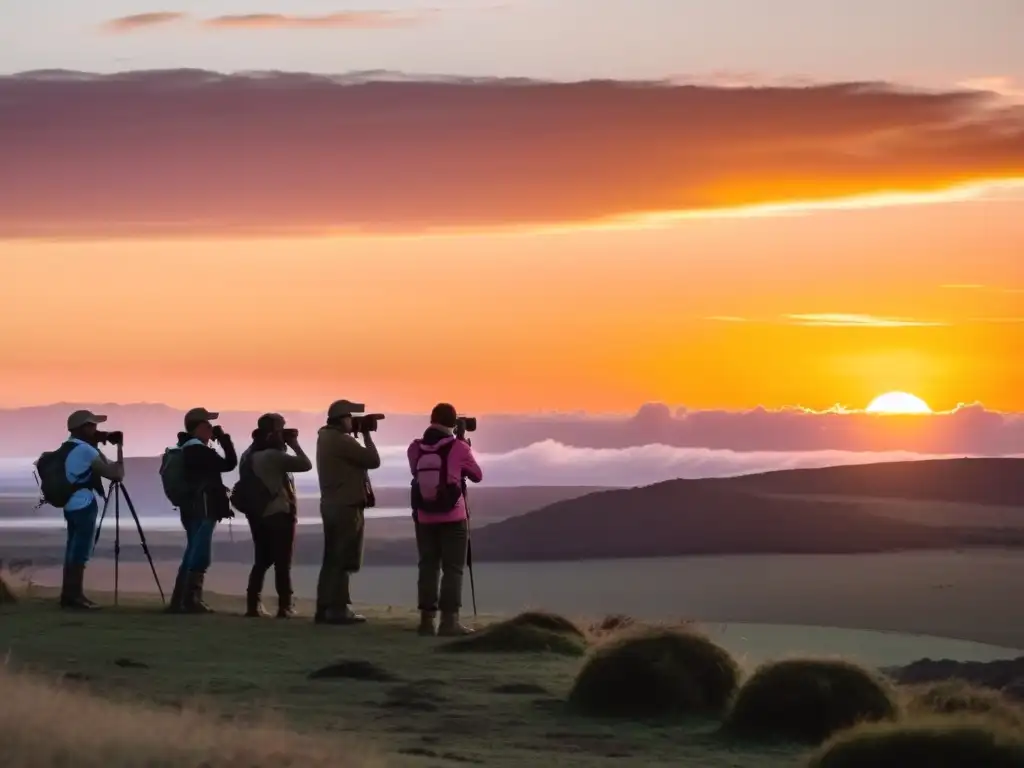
[(898, 403)]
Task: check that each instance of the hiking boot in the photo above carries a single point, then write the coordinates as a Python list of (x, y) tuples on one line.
[(177, 604), (285, 607), (74, 599), (345, 617), (426, 627), (194, 594), (254, 607), (450, 626)]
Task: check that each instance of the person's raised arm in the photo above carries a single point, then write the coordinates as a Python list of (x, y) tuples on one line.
[(109, 470), (365, 457), (470, 468), (300, 462), (200, 458)]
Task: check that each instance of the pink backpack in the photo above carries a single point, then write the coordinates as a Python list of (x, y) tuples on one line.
[(432, 490)]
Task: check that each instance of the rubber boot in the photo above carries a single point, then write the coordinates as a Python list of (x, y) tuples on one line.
[(450, 626), (194, 594), (65, 588), (426, 627), (177, 604), (254, 606), (76, 598)]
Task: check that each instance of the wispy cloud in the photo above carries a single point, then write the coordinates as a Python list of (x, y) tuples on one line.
[(139, 21), (340, 20), (437, 155), (859, 321), (345, 20)]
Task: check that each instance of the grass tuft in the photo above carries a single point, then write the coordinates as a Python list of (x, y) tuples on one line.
[(655, 672), (807, 700), (939, 743), (956, 697), (531, 632), (45, 725)]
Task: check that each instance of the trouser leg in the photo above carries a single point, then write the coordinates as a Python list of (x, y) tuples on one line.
[(283, 543), (428, 546), (81, 530), (260, 564), (343, 549), (453, 541)]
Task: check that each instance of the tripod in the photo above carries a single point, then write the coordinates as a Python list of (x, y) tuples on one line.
[(115, 491), (461, 434)]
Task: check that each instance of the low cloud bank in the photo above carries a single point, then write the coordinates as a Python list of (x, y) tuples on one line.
[(552, 463)]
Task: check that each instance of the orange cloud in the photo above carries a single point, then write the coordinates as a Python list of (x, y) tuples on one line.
[(142, 20), (859, 321), (126, 155), (346, 20)]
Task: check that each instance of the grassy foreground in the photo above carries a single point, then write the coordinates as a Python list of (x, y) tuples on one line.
[(130, 686)]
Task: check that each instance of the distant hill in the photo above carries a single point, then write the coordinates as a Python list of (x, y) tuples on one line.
[(777, 512), (976, 481)]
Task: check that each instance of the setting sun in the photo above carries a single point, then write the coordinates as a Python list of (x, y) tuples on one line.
[(898, 402)]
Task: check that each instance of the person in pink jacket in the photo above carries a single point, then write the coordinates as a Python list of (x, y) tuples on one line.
[(440, 462)]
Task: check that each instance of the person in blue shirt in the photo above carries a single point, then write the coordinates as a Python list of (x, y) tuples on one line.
[(85, 465)]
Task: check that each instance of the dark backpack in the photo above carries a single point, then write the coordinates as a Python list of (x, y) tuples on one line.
[(249, 495), (54, 485), (177, 489), (432, 490)]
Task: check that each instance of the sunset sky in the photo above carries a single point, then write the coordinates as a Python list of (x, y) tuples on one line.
[(275, 243)]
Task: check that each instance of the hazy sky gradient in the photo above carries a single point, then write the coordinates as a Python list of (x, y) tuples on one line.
[(801, 308), (935, 42)]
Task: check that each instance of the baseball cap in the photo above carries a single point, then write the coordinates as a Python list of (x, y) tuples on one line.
[(81, 418), (341, 408), (198, 416)]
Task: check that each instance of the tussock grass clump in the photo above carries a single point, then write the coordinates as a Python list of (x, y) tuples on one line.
[(46, 725), (956, 697), (551, 622), (655, 672), (807, 700), (936, 744), (531, 632), (7, 596)]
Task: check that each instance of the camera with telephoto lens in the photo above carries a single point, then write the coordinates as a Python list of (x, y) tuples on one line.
[(366, 423), (291, 434), (464, 424), (114, 438)]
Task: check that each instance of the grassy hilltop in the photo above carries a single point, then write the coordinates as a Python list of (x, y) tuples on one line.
[(129, 686)]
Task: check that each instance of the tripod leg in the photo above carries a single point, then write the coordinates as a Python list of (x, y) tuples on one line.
[(142, 540), (117, 538), (99, 524)]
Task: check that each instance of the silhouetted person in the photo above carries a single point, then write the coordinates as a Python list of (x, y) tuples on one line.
[(342, 465), (84, 466), (206, 505), (273, 527), (439, 461)]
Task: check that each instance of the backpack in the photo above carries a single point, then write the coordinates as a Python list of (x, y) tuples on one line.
[(249, 495), (432, 490), (172, 474), (54, 485)]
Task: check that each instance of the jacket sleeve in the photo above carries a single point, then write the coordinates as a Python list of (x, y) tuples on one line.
[(300, 462), (348, 448), (203, 459), (470, 469)]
